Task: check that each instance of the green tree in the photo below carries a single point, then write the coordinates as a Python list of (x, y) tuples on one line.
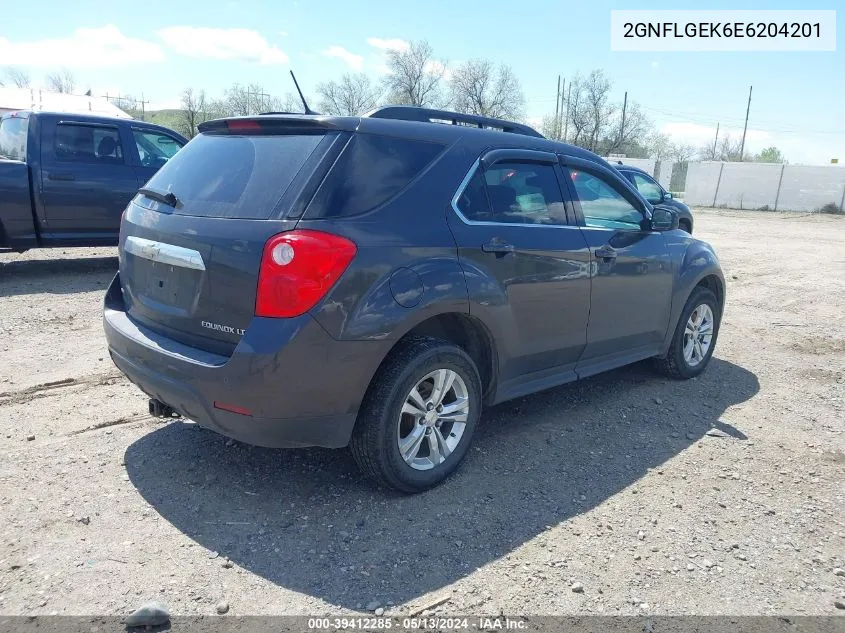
[(770, 155)]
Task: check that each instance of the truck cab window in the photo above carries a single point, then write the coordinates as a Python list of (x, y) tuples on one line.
[(13, 131), (155, 148), (88, 144)]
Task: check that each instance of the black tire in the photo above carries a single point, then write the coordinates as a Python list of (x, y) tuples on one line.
[(684, 225), (673, 364), (374, 442)]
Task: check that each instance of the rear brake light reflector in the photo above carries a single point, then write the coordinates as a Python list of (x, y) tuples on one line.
[(298, 268), (232, 408), (243, 125)]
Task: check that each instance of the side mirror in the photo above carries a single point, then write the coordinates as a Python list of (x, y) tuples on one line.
[(667, 195), (663, 220)]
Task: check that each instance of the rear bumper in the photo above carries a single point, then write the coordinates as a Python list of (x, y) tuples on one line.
[(302, 387)]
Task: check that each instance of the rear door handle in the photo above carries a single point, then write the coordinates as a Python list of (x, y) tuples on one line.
[(496, 246), (606, 252), (55, 176)]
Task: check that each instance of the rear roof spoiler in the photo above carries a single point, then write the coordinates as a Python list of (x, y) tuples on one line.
[(279, 121), (429, 115)]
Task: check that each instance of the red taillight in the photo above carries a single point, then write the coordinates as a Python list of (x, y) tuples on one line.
[(243, 125), (297, 270)]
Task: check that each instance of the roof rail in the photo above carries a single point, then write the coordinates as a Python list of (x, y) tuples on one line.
[(428, 115)]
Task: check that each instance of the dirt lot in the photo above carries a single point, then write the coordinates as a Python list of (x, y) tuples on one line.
[(722, 495)]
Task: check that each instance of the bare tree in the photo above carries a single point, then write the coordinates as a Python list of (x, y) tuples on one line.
[(577, 114), (289, 103), (707, 152), (353, 94), (681, 152), (477, 87), (659, 146), (628, 135), (729, 149), (415, 76), (17, 77), (61, 81), (193, 112), (550, 128), (600, 110)]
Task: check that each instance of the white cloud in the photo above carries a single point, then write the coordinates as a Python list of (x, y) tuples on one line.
[(696, 133), (655, 64), (394, 44), (355, 62), (209, 43), (283, 33), (99, 47)]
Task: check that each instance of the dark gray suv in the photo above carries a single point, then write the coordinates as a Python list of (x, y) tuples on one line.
[(375, 281)]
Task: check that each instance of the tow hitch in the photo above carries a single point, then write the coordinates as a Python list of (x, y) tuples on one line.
[(160, 410)]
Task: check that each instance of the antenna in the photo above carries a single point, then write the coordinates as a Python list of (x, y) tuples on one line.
[(301, 96)]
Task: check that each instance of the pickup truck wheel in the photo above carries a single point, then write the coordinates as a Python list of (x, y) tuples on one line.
[(418, 417), (695, 337)]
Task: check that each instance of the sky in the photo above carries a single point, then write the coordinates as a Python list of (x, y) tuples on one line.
[(159, 48)]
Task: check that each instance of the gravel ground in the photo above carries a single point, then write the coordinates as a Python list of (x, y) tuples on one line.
[(623, 494)]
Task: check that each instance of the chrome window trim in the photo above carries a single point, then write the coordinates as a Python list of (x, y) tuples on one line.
[(469, 222), (164, 253)]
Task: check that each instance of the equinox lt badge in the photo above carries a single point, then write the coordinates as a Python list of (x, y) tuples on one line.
[(228, 329)]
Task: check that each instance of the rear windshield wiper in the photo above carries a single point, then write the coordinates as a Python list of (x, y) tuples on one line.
[(168, 198)]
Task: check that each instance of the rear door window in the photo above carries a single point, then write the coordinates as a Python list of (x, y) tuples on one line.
[(231, 176), (13, 137), (516, 193), (88, 144)]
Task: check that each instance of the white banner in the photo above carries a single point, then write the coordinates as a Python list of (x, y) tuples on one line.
[(722, 30)]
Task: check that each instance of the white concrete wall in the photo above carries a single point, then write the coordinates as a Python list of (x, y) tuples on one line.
[(762, 185), (748, 185), (809, 187), (702, 179)]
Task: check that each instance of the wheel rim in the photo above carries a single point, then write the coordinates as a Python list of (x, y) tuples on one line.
[(698, 335), (433, 419)]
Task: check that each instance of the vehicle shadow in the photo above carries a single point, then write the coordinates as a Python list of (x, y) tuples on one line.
[(307, 520), (56, 276)]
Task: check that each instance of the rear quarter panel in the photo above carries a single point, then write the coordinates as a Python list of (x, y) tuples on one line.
[(407, 268)]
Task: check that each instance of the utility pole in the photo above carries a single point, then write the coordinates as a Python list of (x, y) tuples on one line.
[(745, 128), (566, 122), (622, 126), (715, 141), (557, 109), (143, 108), (560, 120)]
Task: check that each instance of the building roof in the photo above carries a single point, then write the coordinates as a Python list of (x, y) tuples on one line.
[(41, 100)]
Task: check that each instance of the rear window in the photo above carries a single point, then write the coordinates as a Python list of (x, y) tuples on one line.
[(13, 137), (370, 171), (223, 176)]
